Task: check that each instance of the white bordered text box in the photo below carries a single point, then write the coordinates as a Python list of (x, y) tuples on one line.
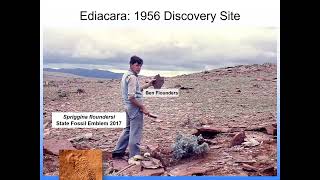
[(161, 93), (88, 120)]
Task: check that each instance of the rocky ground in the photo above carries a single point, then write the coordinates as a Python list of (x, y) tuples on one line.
[(233, 107)]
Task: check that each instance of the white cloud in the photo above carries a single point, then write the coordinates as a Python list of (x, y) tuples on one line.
[(162, 47)]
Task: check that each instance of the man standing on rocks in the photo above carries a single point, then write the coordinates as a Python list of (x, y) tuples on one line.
[(132, 99)]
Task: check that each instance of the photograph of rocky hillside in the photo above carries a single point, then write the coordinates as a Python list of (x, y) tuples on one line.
[(232, 108)]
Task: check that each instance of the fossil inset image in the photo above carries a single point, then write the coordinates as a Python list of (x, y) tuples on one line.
[(80, 165)]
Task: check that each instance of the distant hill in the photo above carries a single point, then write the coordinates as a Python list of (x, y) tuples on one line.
[(94, 73)]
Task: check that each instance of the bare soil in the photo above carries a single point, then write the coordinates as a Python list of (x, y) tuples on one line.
[(238, 98)]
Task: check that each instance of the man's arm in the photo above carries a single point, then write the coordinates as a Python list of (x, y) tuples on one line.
[(146, 86), (133, 100), (131, 92)]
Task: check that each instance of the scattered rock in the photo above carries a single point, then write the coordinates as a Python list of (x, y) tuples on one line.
[(216, 146), (79, 91), (152, 163), (246, 161), (153, 149), (185, 88), (249, 168), (166, 150), (261, 79), (236, 129), (82, 146), (209, 132), (52, 146), (209, 141), (238, 139), (46, 132), (189, 171), (257, 86), (157, 120), (268, 171), (82, 137), (45, 125), (132, 171), (119, 164), (250, 142), (62, 94), (151, 172), (270, 129), (106, 156)]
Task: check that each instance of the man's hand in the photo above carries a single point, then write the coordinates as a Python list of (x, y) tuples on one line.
[(144, 110), (150, 83)]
